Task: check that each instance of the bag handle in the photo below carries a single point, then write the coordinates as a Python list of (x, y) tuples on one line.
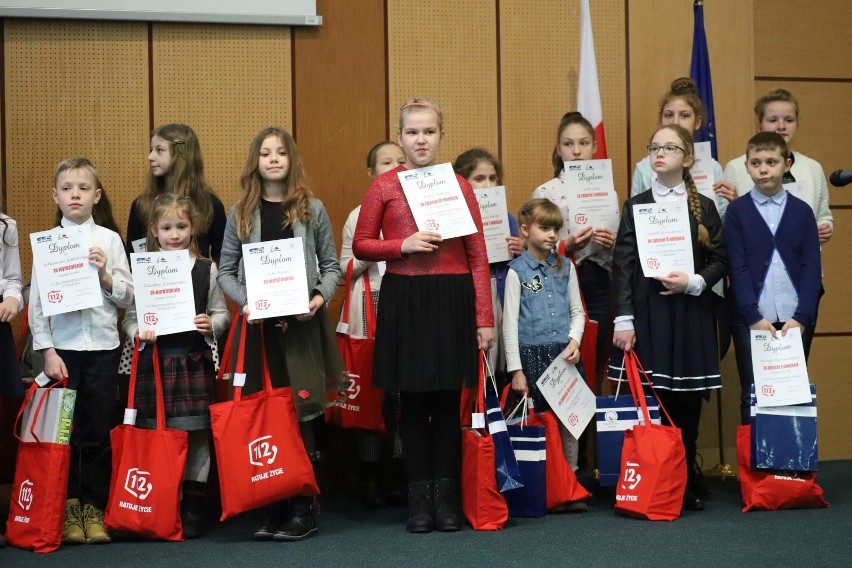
[(130, 411), (504, 398), (368, 300), (31, 392), (634, 367), (225, 361), (239, 373)]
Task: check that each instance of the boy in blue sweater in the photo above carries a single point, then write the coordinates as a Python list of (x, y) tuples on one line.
[(774, 256)]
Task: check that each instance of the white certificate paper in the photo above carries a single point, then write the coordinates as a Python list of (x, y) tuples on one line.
[(495, 222), (592, 200), (162, 284), (780, 371), (66, 280), (436, 201), (702, 171), (276, 281), (569, 397), (663, 238)]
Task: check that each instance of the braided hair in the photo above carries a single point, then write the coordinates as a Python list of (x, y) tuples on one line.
[(691, 190)]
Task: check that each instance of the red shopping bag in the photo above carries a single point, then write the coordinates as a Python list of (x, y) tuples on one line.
[(562, 484), (653, 460), (37, 508), (482, 503), (769, 491), (589, 347), (362, 407), (259, 448), (147, 469)]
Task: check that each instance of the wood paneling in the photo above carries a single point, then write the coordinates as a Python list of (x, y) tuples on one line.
[(802, 38), (835, 311), (539, 66), (828, 365), (227, 83)]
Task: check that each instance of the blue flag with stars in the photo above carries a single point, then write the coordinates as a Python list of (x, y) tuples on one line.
[(699, 71)]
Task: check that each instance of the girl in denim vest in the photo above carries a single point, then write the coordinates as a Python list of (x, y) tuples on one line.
[(543, 315)]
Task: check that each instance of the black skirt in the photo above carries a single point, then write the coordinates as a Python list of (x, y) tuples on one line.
[(10, 377), (426, 333)]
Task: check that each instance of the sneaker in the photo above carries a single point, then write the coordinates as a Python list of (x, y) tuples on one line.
[(93, 525), (72, 531), (301, 522)]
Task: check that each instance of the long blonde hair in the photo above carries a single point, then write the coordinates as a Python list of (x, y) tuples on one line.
[(296, 190)]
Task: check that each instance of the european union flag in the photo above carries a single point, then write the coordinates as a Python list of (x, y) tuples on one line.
[(699, 71)]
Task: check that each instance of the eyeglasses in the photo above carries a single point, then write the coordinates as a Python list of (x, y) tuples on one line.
[(667, 149)]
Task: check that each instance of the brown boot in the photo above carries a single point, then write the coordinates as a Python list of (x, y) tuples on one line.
[(72, 531), (93, 525)]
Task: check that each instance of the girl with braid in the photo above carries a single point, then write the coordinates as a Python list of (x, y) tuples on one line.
[(669, 319)]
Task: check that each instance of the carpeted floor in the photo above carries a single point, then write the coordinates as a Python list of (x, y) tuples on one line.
[(720, 536)]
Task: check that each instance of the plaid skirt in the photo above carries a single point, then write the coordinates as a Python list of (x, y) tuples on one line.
[(188, 389)]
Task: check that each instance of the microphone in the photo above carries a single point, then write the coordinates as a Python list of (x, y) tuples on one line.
[(840, 178)]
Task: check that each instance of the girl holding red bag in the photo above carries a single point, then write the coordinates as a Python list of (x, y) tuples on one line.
[(435, 313), (669, 319), (186, 359), (301, 350)]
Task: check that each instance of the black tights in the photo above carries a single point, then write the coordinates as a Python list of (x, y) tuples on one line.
[(685, 410), (431, 434)]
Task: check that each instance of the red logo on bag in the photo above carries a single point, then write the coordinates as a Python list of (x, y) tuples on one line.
[(54, 296), (653, 263), (631, 476), (581, 218), (151, 318), (573, 419), (262, 452), (354, 389), (261, 305), (767, 390), (137, 484), (25, 495)]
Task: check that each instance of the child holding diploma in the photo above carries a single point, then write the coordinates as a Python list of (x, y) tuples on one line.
[(669, 319), (301, 350), (186, 359), (435, 311), (11, 302), (543, 313), (381, 158), (773, 247), (481, 169), (176, 167), (682, 106), (82, 347)]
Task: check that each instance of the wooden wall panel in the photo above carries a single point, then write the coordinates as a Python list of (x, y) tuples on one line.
[(73, 88), (828, 367), (227, 82), (835, 312), (539, 66), (796, 38), (661, 53), (446, 51)]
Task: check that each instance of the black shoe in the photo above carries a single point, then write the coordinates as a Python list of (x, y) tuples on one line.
[(396, 495), (271, 519), (696, 483), (372, 496), (448, 518), (421, 517), (192, 516), (302, 522), (691, 502)]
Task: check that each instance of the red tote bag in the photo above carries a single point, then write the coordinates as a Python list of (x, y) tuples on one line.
[(769, 491), (362, 407), (589, 346), (147, 469), (482, 503), (37, 508), (653, 460), (259, 448)]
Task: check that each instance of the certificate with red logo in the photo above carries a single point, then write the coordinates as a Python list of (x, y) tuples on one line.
[(591, 200), (702, 171), (569, 397), (162, 284), (66, 280), (663, 238), (495, 222), (780, 371), (276, 281), (436, 201)]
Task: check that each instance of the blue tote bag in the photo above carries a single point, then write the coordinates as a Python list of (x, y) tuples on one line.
[(784, 437), (528, 443)]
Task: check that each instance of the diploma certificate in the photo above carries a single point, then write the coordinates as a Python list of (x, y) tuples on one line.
[(162, 284), (66, 280), (592, 200), (780, 371), (495, 222), (436, 201), (276, 281), (569, 397), (663, 238), (702, 171)]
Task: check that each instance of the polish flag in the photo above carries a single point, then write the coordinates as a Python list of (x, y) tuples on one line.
[(588, 91)]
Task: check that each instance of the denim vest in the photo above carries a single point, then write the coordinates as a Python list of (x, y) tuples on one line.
[(544, 311)]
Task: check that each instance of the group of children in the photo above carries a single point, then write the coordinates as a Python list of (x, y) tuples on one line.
[(438, 301)]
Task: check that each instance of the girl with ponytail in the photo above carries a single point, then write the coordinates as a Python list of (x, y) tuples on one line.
[(669, 319)]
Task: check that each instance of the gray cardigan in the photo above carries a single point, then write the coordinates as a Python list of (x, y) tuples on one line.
[(321, 263)]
